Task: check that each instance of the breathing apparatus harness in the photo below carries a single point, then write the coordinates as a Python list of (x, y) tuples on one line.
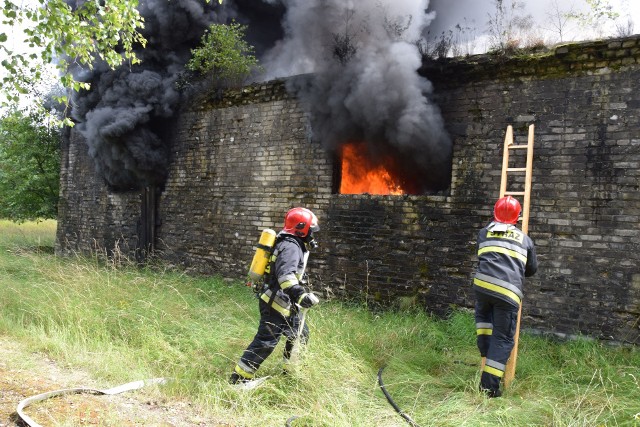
[(266, 279), (263, 264), (271, 286), (260, 280)]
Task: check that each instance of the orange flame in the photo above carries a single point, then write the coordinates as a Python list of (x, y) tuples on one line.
[(359, 176)]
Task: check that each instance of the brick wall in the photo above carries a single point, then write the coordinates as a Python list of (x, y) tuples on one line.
[(584, 101), (240, 164), (90, 218), (241, 161)]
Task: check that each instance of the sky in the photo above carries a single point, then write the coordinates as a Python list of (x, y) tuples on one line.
[(471, 15), (475, 14)]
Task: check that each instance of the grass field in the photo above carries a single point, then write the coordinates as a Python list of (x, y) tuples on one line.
[(123, 323)]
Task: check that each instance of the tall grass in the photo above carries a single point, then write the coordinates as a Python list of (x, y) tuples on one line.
[(28, 235), (124, 323)]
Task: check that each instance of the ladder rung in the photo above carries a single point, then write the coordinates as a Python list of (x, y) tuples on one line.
[(515, 147), (514, 193), (516, 169)]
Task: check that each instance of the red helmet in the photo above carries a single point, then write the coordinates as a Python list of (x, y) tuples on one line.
[(300, 222), (507, 210)]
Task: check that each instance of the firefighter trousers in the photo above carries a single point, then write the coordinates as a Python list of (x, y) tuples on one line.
[(271, 327), (496, 321)]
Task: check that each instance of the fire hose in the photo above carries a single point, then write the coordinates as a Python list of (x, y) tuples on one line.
[(115, 390), (396, 407), (290, 420), (386, 394)]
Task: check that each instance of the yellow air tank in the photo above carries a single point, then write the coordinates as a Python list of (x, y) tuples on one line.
[(262, 255)]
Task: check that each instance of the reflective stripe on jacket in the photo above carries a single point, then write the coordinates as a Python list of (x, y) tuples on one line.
[(286, 269), (505, 257)]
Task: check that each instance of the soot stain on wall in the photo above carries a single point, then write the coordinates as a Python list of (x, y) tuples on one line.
[(240, 161)]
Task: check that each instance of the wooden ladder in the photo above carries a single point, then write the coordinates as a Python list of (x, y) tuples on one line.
[(526, 195)]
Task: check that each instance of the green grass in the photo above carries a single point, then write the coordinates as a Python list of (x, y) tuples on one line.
[(122, 324)]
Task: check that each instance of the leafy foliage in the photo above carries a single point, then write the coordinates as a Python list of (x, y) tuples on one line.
[(60, 35), (29, 167), (224, 55)]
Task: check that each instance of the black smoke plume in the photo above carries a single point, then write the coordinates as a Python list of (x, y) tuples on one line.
[(128, 115), (359, 60)]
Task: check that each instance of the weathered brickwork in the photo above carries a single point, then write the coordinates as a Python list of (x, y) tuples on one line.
[(236, 170), (241, 161), (90, 218), (584, 101)]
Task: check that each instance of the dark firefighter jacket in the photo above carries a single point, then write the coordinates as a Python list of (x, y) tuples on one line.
[(505, 257), (284, 274)]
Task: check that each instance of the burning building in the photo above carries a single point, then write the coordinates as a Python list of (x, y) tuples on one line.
[(401, 167)]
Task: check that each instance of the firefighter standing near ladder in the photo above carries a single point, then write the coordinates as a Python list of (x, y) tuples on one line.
[(506, 255), (282, 295)]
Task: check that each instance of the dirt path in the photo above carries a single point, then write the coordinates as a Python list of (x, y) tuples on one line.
[(24, 374)]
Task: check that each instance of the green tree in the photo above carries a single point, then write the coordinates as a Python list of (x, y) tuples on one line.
[(224, 55), (59, 35), (29, 167)]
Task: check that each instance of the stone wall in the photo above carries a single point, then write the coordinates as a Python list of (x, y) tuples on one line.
[(584, 101), (92, 219), (241, 161), (239, 165)]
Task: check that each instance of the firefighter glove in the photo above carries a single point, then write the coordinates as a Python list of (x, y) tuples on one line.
[(308, 299)]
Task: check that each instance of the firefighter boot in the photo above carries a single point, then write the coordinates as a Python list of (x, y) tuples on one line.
[(490, 392), (490, 385), (237, 379)]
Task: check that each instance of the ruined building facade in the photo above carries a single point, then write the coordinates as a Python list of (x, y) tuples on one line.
[(238, 163)]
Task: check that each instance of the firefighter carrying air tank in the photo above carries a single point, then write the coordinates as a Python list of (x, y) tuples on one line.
[(283, 292)]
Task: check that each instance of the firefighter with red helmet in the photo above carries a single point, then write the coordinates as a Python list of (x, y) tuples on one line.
[(283, 294), (506, 255)]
